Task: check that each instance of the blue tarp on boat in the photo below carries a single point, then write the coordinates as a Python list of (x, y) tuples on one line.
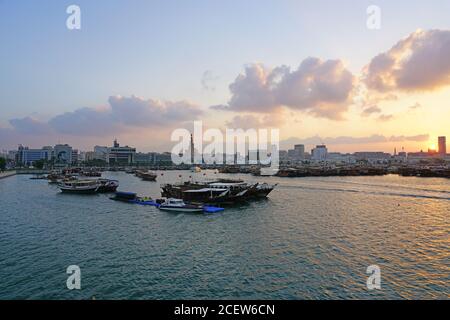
[(210, 209)]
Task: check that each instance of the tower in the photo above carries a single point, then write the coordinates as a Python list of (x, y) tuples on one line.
[(192, 149), (442, 145)]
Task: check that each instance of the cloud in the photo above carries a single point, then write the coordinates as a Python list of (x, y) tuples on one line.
[(321, 88), (416, 63), (84, 121), (370, 110), (415, 106), (136, 111), (249, 121), (385, 117), (29, 125), (207, 81), (124, 113)]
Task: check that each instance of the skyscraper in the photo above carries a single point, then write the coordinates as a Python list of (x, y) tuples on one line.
[(442, 145)]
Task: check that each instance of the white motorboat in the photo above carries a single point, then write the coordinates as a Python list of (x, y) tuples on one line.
[(178, 205)]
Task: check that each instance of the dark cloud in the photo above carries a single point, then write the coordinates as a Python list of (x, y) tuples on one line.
[(135, 111), (418, 62), (30, 125), (370, 110), (124, 113), (322, 88)]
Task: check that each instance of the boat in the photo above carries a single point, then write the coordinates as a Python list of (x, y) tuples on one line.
[(107, 185), (91, 174), (146, 175), (124, 196), (178, 205), (79, 186), (224, 192), (38, 177)]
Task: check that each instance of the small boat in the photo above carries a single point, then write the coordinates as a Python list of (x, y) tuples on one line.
[(124, 196), (107, 185), (178, 205), (146, 175), (79, 186), (39, 177)]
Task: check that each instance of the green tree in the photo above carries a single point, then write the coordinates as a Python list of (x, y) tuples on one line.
[(39, 164), (2, 163)]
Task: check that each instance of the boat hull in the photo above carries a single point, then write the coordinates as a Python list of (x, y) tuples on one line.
[(79, 191), (179, 209)]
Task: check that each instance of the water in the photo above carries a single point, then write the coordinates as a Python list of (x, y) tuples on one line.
[(313, 239)]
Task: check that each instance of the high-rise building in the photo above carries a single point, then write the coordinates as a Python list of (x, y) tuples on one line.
[(442, 145), (319, 153), (299, 151)]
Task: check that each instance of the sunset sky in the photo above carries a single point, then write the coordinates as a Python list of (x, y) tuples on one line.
[(139, 69)]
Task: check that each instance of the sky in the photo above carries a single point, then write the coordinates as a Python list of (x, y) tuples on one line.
[(136, 70)]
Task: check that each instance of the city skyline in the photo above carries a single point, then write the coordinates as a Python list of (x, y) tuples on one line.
[(320, 76)]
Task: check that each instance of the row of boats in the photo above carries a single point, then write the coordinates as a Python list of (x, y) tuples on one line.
[(170, 204), (88, 186), (189, 196), (221, 191)]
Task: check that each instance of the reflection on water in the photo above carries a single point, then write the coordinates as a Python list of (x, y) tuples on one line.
[(313, 238)]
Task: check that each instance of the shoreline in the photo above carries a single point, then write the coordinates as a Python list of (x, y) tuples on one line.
[(6, 174)]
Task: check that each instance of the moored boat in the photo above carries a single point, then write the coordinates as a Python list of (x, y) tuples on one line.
[(107, 185), (124, 196), (79, 186), (178, 205), (146, 175)]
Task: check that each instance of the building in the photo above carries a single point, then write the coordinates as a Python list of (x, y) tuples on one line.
[(319, 153), (163, 159), (442, 146), (27, 157), (75, 156), (62, 154), (298, 153), (338, 157), (145, 158), (372, 156), (118, 155)]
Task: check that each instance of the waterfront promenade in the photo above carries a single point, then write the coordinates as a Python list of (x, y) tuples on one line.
[(7, 174)]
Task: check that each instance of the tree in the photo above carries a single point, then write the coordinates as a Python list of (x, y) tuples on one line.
[(39, 164), (2, 164)]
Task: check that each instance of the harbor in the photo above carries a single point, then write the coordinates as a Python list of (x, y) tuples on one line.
[(311, 238)]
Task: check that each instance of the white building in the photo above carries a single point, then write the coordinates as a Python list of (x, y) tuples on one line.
[(118, 155)]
